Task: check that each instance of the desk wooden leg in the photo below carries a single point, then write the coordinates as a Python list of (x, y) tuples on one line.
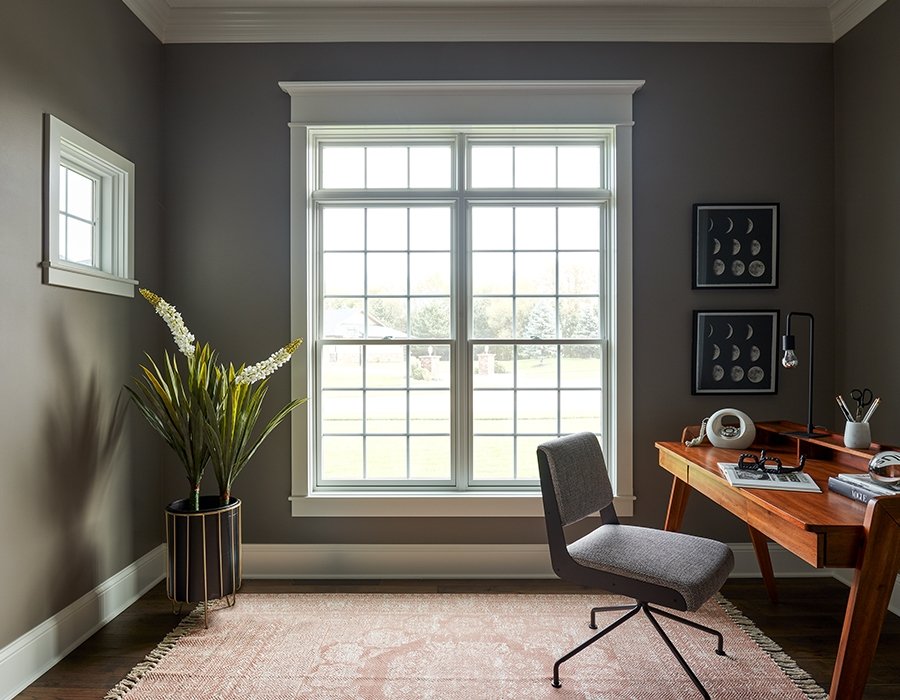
[(761, 547), (677, 504), (876, 572)]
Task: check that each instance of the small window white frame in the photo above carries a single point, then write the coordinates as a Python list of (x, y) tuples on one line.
[(113, 269), (529, 103)]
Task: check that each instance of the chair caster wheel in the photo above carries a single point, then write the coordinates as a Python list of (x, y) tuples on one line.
[(556, 684), (721, 653), (592, 626)]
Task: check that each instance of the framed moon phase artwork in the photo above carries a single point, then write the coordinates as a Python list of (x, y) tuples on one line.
[(734, 352), (735, 245)]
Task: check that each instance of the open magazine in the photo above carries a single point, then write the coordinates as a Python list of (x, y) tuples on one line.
[(757, 479)]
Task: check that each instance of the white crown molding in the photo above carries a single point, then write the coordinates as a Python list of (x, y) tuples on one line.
[(155, 14), (846, 14), (246, 21), (492, 23)]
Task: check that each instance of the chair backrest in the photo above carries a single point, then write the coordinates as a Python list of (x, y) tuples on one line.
[(577, 476)]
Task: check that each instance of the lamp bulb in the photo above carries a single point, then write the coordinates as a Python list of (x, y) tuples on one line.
[(789, 361)]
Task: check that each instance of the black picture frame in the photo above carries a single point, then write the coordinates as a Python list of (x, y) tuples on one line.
[(735, 352), (735, 246)]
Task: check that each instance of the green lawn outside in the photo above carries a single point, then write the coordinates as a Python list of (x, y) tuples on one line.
[(502, 446)]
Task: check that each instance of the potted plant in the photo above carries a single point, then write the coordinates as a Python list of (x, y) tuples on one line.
[(207, 413)]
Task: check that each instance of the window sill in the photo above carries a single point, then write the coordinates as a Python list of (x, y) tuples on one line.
[(429, 505), (88, 279)]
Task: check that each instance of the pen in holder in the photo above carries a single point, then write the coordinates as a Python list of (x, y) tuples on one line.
[(857, 435)]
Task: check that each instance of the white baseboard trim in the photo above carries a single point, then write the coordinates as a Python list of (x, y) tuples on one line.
[(846, 576), (484, 561), (784, 564), (36, 651), (362, 561)]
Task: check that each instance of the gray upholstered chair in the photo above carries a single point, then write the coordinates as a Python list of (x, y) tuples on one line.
[(652, 566)]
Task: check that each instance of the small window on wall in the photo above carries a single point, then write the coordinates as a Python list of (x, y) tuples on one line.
[(89, 220)]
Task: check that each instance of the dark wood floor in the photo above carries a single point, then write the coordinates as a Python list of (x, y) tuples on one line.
[(806, 623)]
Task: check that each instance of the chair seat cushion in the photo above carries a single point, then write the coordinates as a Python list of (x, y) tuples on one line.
[(695, 567)]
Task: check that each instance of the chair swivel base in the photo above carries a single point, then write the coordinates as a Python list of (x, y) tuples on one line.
[(648, 611)]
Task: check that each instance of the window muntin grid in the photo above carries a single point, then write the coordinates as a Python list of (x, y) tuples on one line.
[(385, 166), (525, 394), (536, 165), (562, 234), (78, 204), (386, 270), (385, 413), (537, 270)]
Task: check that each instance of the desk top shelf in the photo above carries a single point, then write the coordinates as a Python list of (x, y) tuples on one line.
[(825, 445)]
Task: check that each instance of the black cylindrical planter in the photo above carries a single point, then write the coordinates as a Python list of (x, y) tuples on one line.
[(203, 558)]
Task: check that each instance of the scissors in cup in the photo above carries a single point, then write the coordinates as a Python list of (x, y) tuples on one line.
[(863, 398)]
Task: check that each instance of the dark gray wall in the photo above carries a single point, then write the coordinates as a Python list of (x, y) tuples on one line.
[(76, 505), (714, 123), (867, 121)]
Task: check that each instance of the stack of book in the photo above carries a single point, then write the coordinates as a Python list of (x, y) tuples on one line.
[(861, 487)]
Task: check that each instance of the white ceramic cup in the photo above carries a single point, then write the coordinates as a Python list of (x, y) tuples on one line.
[(857, 435)]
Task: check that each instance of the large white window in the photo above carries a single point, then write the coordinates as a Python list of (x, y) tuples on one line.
[(464, 290), (88, 233)]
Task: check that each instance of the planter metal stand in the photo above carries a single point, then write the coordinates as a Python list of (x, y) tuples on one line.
[(203, 552)]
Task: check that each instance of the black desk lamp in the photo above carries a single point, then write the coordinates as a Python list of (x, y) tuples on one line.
[(790, 361)]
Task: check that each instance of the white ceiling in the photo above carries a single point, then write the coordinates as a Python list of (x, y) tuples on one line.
[(204, 21)]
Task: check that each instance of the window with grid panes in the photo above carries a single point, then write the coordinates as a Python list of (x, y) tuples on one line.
[(89, 221), (458, 303)]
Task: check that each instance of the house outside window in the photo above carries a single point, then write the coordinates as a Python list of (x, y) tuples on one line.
[(464, 290)]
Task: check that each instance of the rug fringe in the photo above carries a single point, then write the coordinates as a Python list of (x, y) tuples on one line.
[(189, 623), (800, 678)]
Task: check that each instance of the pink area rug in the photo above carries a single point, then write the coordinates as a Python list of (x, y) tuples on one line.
[(447, 646)]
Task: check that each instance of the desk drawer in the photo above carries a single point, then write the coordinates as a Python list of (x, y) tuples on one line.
[(717, 490), (672, 464), (809, 546)]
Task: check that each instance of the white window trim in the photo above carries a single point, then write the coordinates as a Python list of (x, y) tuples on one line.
[(585, 103), (115, 176)]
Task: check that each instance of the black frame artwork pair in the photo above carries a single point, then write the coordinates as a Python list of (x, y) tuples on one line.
[(735, 246)]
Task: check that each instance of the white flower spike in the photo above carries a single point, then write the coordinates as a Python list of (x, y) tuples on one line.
[(184, 339), (261, 370)]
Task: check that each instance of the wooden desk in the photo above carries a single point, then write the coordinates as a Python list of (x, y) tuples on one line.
[(824, 529)]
